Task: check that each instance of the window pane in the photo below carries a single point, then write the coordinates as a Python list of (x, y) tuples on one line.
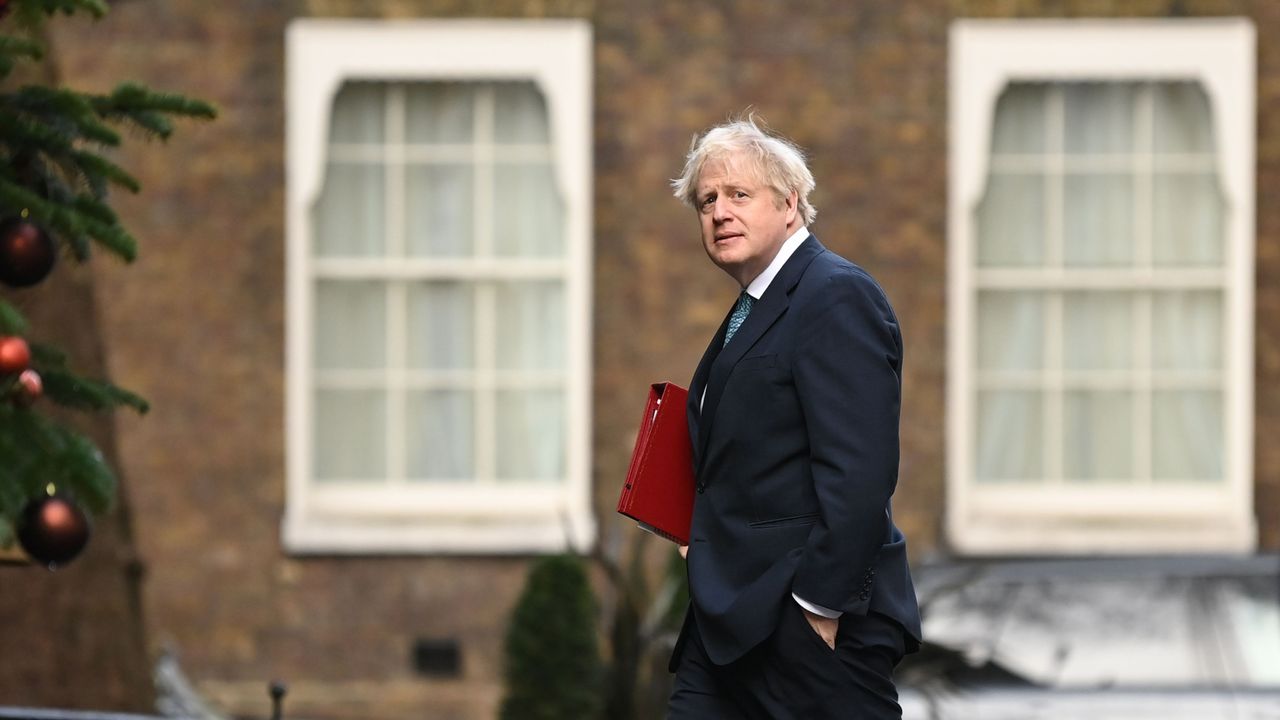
[(520, 114), (531, 435), (440, 428), (440, 113), (1189, 220), (1099, 436), (1186, 330), (1010, 436), (454, 134), (1188, 435), (359, 114), (528, 213), (350, 325), (441, 323), (349, 218), (1019, 126), (531, 326), (1099, 117), (1098, 220), (439, 210), (1011, 222), (1098, 331), (1010, 330), (350, 432), (1182, 118)]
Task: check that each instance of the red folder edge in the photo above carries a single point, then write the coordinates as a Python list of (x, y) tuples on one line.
[(659, 488)]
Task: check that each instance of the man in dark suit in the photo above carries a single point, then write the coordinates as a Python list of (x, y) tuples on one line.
[(802, 602)]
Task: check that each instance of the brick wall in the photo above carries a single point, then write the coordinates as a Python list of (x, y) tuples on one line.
[(197, 324)]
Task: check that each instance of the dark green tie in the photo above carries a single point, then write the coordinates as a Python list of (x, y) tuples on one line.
[(739, 315)]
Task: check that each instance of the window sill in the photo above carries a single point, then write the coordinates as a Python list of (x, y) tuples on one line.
[(1005, 535), (370, 534)]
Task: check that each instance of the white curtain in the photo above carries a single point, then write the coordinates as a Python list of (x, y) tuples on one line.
[(1011, 221), (472, 161), (348, 218), (1114, 177), (531, 432), (1010, 434), (527, 204), (350, 426), (531, 337), (440, 210), (440, 437), (441, 332), (350, 325)]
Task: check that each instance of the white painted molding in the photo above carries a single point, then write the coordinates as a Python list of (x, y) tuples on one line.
[(986, 55), (556, 55)]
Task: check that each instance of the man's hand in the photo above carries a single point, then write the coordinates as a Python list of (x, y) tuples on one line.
[(684, 551), (824, 626)]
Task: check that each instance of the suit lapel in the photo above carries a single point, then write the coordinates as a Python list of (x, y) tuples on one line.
[(766, 312), (693, 409)]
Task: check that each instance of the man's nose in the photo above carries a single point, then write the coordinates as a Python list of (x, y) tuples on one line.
[(720, 210)]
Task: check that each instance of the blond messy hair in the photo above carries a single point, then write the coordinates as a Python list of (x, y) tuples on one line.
[(776, 161)]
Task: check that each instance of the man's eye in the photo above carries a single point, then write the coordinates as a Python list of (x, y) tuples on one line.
[(739, 194), (707, 200)]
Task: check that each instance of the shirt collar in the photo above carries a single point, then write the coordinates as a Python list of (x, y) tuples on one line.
[(757, 287)]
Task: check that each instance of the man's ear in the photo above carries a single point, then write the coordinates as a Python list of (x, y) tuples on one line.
[(793, 206)]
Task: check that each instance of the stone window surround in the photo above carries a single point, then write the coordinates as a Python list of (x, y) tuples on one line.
[(320, 55), (984, 56)]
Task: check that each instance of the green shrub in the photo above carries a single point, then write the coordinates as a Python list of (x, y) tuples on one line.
[(553, 668)]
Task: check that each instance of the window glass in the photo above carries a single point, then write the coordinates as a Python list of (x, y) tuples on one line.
[(1093, 189), (461, 373)]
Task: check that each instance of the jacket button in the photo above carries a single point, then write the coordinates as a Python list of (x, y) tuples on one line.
[(701, 489)]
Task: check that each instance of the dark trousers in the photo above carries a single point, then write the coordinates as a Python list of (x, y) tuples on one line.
[(794, 675)]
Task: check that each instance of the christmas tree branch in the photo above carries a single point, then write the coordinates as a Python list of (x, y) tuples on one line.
[(27, 137), (16, 485), (53, 175), (66, 388), (72, 226), (98, 210), (70, 390), (37, 451), (32, 13), (148, 109), (82, 464), (60, 107), (93, 166), (11, 321), (13, 48)]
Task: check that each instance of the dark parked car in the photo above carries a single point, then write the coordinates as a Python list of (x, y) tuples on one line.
[(1098, 639)]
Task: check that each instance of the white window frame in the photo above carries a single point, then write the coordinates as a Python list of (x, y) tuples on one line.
[(484, 518), (986, 55)]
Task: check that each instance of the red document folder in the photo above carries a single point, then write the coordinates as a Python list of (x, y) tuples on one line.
[(658, 492)]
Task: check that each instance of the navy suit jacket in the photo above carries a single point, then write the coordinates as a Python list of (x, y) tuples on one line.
[(796, 457)]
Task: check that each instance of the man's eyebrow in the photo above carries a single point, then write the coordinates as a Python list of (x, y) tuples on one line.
[(727, 187)]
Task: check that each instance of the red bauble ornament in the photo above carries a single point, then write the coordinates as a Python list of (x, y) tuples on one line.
[(27, 253), (30, 387), (53, 530), (15, 355)]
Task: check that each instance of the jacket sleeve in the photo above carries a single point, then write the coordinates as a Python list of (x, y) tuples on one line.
[(847, 374)]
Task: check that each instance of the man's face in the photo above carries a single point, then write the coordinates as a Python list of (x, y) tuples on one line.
[(743, 221)]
